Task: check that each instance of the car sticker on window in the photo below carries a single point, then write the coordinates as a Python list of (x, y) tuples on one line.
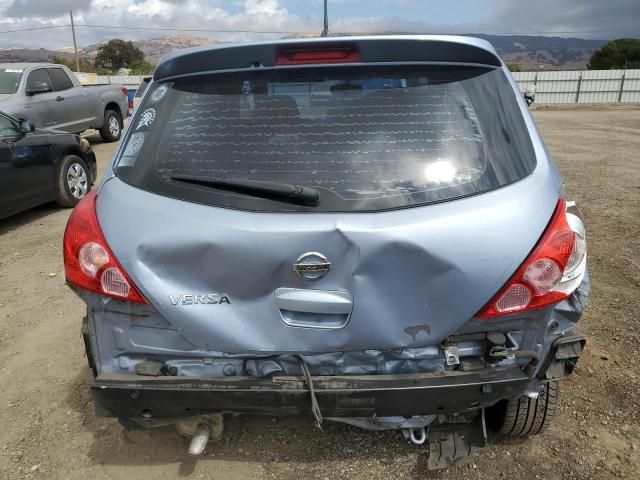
[(147, 118), (134, 145), (13, 70), (159, 93)]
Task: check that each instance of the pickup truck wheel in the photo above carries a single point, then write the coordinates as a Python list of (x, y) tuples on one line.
[(524, 416), (111, 127), (74, 181)]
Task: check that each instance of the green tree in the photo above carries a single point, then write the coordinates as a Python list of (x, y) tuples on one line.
[(142, 68), (514, 67), (621, 53), (117, 54)]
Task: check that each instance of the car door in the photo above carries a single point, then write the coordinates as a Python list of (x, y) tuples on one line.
[(73, 109), (41, 108), (9, 176), (27, 171)]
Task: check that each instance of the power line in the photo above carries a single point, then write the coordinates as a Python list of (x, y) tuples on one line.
[(118, 27), (203, 30), (291, 31), (35, 28)]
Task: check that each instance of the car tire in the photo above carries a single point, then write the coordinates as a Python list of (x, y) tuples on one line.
[(111, 126), (524, 416), (74, 181)]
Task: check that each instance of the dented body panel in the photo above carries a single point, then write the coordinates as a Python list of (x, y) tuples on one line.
[(249, 306), (399, 266), (121, 336)]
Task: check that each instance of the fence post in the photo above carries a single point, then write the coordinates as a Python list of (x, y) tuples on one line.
[(579, 86), (624, 74)]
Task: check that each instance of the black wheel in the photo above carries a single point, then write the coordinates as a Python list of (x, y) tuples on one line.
[(524, 416), (74, 181), (111, 127)]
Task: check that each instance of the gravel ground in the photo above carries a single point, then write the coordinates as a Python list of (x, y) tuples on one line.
[(49, 430)]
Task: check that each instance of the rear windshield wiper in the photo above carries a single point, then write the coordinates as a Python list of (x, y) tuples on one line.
[(271, 190)]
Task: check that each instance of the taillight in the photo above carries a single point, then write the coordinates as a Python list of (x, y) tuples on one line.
[(125, 91), (318, 55), (553, 270), (89, 263)]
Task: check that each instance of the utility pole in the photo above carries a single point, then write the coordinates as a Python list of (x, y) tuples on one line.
[(75, 45), (325, 31)]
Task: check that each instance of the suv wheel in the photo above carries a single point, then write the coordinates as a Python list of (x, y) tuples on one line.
[(111, 127), (524, 416), (74, 181)]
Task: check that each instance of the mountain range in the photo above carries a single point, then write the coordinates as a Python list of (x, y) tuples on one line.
[(531, 52)]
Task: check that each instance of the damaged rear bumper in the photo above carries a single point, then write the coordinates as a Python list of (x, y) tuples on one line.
[(133, 396)]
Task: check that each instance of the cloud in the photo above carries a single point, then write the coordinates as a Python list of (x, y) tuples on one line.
[(44, 8), (141, 16), (598, 19)]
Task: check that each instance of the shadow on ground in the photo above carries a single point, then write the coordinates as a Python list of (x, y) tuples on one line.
[(249, 439), (34, 214)]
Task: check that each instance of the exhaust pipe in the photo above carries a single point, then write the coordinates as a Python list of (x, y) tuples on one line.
[(199, 440), (202, 429), (417, 435)]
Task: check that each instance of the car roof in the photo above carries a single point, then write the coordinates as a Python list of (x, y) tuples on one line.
[(27, 65), (373, 48)]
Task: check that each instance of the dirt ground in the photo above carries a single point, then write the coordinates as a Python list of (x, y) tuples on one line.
[(49, 429)]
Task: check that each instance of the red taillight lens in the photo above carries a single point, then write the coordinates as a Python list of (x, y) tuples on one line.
[(551, 273), (315, 55), (89, 263), (125, 91)]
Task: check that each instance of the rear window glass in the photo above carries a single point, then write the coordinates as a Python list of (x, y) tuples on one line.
[(61, 80), (142, 88), (367, 138)]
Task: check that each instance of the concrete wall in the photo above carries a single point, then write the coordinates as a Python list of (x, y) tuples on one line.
[(589, 86)]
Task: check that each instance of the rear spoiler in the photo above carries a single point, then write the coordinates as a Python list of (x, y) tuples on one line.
[(373, 49)]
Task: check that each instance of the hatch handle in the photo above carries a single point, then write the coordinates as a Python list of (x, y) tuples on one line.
[(328, 302)]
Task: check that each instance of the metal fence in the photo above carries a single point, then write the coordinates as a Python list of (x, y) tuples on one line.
[(589, 86), (131, 81)]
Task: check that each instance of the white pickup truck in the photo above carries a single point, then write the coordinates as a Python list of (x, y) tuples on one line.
[(50, 96)]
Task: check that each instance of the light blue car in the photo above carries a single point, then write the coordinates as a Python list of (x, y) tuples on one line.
[(359, 229)]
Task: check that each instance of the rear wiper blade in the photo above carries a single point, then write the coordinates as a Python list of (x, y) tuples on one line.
[(272, 190)]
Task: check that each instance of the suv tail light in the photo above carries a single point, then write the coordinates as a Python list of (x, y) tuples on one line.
[(318, 55), (89, 263), (125, 91), (553, 270)]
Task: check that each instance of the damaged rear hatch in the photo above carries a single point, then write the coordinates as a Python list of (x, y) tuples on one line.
[(325, 208)]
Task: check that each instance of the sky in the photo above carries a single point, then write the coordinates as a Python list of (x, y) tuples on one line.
[(96, 19)]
